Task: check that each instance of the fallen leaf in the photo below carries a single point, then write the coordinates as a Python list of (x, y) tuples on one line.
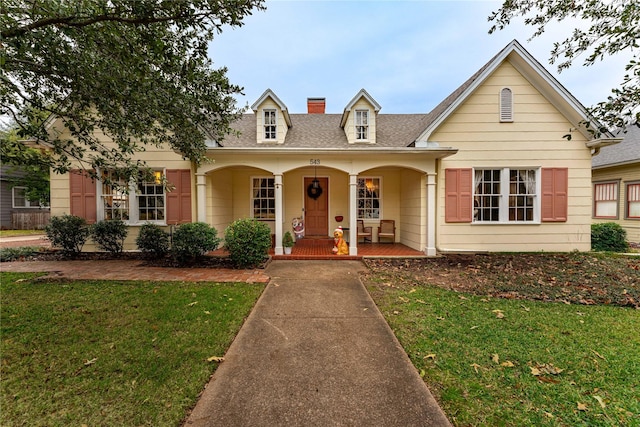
[(439, 318), (600, 401), (475, 366), (582, 407), (462, 297), (91, 362), (598, 354), (412, 290), (422, 373), (525, 308), (507, 364), (192, 304), (216, 359), (534, 371), (475, 327), (403, 299), (431, 356), (421, 302), (549, 414), (495, 358), (500, 315), (207, 312)]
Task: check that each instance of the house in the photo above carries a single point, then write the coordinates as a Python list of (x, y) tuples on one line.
[(616, 183), (16, 210), (489, 169)]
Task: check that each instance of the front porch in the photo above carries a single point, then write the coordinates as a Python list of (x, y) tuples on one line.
[(321, 250)]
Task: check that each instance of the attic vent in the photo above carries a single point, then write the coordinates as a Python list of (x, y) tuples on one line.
[(506, 105)]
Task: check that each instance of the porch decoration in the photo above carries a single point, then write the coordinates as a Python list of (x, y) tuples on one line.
[(287, 242), (298, 227), (340, 246)]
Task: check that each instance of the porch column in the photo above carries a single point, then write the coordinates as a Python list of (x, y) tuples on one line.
[(201, 196), (430, 250), (278, 250), (353, 215)]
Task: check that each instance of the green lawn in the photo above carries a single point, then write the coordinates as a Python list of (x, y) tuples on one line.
[(504, 362), (111, 353)]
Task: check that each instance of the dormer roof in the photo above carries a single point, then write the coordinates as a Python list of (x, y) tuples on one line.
[(270, 94), (362, 94)]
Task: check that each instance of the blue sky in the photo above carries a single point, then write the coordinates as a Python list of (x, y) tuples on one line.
[(409, 55)]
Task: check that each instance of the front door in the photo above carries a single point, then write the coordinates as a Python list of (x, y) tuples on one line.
[(316, 208)]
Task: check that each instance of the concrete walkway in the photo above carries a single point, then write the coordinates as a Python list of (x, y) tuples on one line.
[(315, 351)]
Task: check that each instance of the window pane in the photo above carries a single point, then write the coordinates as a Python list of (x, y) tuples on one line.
[(368, 198)]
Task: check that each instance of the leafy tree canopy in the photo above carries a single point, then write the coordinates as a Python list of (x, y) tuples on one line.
[(136, 71), (614, 27)]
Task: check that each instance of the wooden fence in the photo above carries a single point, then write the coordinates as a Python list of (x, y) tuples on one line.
[(29, 220)]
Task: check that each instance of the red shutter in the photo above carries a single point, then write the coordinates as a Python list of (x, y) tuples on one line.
[(458, 195), (83, 195), (179, 199), (555, 189)]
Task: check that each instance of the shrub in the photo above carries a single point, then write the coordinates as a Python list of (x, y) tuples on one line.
[(193, 240), (247, 241), (68, 232), (109, 235), (12, 254), (153, 240), (609, 237)]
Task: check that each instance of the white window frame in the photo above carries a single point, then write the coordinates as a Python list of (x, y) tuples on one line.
[(635, 199), (375, 213), (266, 198), (27, 203), (506, 105), (504, 196), (603, 192), (362, 126), (132, 200), (270, 124)]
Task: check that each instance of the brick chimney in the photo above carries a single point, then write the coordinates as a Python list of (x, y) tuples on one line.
[(316, 105)]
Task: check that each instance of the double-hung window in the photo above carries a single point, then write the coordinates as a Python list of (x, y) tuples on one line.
[(362, 125), (633, 200), (263, 197), (144, 202), (270, 124), (505, 195), (605, 200), (368, 201), (20, 200)]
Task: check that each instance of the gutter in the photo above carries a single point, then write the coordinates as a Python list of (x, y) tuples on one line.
[(597, 144)]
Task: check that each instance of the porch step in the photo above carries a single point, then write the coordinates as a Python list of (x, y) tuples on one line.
[(314, 242)]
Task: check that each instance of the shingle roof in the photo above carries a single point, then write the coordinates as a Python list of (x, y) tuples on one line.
[(626, 151), (324, 131)]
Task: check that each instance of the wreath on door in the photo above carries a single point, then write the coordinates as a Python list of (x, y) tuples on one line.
[(314, 191)]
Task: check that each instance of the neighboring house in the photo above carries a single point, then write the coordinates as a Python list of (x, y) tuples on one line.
[(16, 211), (616, 184), (489, 169)]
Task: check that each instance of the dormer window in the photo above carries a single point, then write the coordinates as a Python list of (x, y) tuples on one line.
[(269, 124), (362, 125), (506, 105)]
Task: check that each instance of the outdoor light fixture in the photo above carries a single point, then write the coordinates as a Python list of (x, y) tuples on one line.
[(314, 190)]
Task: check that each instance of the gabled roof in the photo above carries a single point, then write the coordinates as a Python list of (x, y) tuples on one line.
[(533, 71), (624, 153), (362, 94), (270, 94)]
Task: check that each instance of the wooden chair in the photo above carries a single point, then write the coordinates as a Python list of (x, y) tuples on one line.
[(387, 230), (364, 232)]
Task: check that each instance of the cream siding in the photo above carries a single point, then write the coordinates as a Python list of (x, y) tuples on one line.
[(154, 157), (623, 175), (533, 140), (412, 209)]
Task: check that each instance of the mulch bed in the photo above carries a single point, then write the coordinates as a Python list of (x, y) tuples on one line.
[(572, 278)]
